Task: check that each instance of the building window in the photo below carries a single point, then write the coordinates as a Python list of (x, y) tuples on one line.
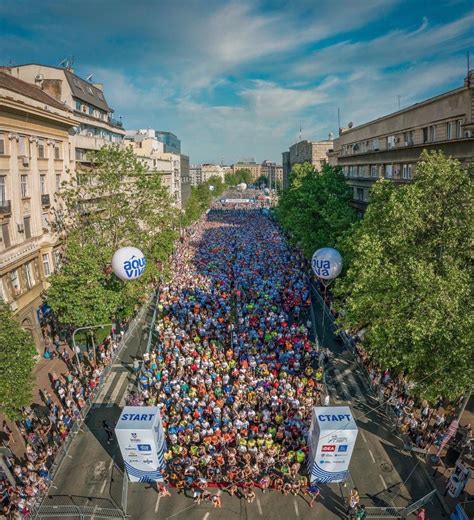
[(24, 186), (458, 129), (41, 150), (58, 181), (450, 130), (407, 171), (15, 281), (6, 235), (27, 226), (432, 133), (389, 171), (43, 184), (375, 144), (3, 189), (30, 280), (373, 170), (360, 194), (3, 149), (46, 268), (78, 105), (91, 111), (57, 151), (391, 141), (408, 137), (425, 134)]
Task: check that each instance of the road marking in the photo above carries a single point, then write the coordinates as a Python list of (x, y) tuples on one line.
[(102, 489), (372, 455), (206, 516), (157, 505), (259, 506), (383, 482), (297, 511), (117, 389), (363, 436)]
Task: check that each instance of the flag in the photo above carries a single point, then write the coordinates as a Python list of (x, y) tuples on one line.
[(451, 431)]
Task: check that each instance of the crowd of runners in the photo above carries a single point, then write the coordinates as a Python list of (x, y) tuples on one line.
[(233, 366)]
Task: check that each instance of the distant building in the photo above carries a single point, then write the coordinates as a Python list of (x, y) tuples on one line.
[(96, 125), (185, 179), (273, 172), (212, 170), (390, 146), (150, 151), (251, 165), (195, 174), (35, 158), (171, 142)]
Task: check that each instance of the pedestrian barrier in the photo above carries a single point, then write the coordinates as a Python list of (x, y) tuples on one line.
[(77, 426), (79, 512), (384, 513)]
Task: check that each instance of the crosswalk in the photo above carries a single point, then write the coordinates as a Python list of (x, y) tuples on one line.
[(116, 388)]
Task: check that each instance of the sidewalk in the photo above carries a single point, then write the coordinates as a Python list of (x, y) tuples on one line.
[(42, 380)]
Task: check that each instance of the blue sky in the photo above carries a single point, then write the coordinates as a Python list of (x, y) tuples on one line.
[(237, 78)]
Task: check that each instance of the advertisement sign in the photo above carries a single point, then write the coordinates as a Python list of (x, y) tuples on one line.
[(141, 439), (332, 437)]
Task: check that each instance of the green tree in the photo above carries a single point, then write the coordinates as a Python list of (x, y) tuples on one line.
[(115, 202), (409, 282), (239, 176), (17, 353), (263, 179), (315, 210)]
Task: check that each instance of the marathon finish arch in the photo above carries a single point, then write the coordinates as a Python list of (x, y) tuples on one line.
[(331, 440)]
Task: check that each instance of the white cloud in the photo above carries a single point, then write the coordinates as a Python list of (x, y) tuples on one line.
[(391, 49)]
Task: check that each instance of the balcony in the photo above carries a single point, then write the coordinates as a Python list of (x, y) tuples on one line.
[(115, 122), (45, 201), (5, 207)]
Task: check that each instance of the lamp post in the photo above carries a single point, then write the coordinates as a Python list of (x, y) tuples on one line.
[(88, 327)]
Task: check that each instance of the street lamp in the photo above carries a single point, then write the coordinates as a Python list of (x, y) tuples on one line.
[(88, 327)]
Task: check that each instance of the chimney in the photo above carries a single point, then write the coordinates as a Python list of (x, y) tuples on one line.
[(52, 87), (100, 86)]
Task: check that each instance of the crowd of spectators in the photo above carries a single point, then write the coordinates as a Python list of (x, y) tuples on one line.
[(44, 428), (233, 368)]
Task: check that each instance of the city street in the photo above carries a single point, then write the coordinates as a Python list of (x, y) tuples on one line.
[(92, 473)]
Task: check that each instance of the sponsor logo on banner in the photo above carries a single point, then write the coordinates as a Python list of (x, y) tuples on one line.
[(144, 447), (342, 447), (328, 447)]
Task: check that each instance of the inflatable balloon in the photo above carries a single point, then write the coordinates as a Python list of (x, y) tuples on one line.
[(211, 188), (326, 263), (128, 263)]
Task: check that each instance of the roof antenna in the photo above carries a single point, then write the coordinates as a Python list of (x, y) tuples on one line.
[(398, 102), (300, 133), (89, 77), (339, 120)]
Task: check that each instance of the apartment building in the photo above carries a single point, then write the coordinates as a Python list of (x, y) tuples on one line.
[(35, 156), (185, 179), (249, 164), (212, 170), (150, 151), (313, 152), (195, 174), (390, 146), (273, 172), (96, 125)]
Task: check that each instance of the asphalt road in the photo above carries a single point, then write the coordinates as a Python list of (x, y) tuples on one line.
[(92, 474)]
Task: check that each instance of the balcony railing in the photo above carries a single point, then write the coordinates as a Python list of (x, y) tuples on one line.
[(45, 200), (116, 122), (5, 207)]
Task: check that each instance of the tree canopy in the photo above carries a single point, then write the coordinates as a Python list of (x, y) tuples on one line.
[(315, 209), (113, 203), (17, 360), (409, 282), (239, 176)]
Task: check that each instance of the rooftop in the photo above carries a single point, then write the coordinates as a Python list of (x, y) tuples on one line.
[(27, 89)]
